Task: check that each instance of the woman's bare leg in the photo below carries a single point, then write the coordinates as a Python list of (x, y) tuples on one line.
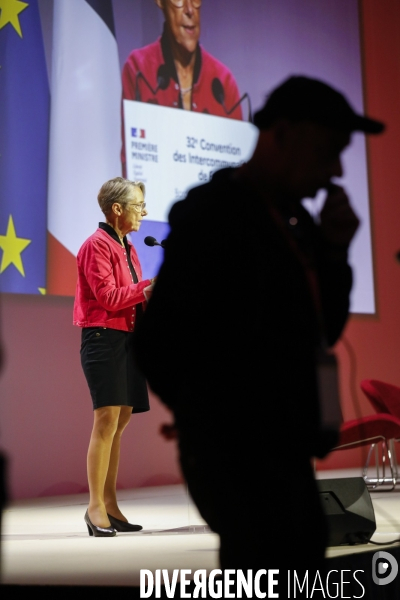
[(110, 487), (105, 425)]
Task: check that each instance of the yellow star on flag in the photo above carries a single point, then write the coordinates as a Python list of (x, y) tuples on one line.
[(10, 10), (12, 247)]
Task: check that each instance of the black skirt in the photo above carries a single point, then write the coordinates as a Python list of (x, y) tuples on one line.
[(110, 369)]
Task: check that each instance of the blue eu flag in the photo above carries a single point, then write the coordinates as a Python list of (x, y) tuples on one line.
[(24, 133)]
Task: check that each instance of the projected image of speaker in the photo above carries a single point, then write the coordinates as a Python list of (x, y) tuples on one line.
[(349, 511)]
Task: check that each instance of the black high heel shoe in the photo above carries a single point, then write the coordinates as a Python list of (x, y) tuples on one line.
[(123, 525), (98, 531)]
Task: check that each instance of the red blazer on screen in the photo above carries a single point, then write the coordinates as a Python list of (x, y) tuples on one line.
[(147, 60)]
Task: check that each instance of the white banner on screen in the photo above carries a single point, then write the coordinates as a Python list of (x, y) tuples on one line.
[(173, 150)]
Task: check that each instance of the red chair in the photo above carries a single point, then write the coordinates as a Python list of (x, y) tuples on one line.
[(384, 397), (373, 430)]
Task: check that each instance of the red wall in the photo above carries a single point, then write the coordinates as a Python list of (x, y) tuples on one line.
[(375, 341), (45, 409)]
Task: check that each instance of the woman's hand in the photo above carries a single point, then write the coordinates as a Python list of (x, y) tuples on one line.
[(149, 289)]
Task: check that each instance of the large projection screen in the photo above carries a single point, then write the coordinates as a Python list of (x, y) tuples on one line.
[(66, 138)]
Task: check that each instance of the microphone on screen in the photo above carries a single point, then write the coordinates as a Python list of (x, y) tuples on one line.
[(219, 95), (162, 81), (151, 241)]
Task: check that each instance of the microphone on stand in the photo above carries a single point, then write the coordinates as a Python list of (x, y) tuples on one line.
[(151, 241), (162, 81), (219, 95)]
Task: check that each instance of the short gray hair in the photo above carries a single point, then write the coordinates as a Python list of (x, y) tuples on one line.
[(117, 190)]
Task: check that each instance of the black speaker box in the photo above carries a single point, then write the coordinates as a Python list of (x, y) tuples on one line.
[(348, 509)]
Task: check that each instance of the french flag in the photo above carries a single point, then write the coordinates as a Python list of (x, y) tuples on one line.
[(85, 126)]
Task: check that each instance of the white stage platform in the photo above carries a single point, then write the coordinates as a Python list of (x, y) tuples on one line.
[(45, 541)]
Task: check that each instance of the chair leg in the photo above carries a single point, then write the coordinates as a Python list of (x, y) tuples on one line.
[(392, 445), (384, 453), (388, 452), (391, 452), (371, 482)]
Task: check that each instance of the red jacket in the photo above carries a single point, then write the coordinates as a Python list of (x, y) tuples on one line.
[(105, 293), (147, 61)]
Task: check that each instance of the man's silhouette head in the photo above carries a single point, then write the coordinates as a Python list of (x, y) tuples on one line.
[(305, 125), (301, 98)]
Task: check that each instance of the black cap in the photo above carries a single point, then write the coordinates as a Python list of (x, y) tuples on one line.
[(301, 98)]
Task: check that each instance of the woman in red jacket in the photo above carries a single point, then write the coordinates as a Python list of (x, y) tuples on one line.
[(110, 297)]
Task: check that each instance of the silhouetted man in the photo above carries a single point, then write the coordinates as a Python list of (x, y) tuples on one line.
[(251, 294)]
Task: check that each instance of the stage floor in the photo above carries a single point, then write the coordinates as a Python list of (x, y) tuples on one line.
[(45, 540)]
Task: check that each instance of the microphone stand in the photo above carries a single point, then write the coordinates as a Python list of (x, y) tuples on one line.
[(219, 95), (151, 241), (162, 81), (189, 528), (228, 112)]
